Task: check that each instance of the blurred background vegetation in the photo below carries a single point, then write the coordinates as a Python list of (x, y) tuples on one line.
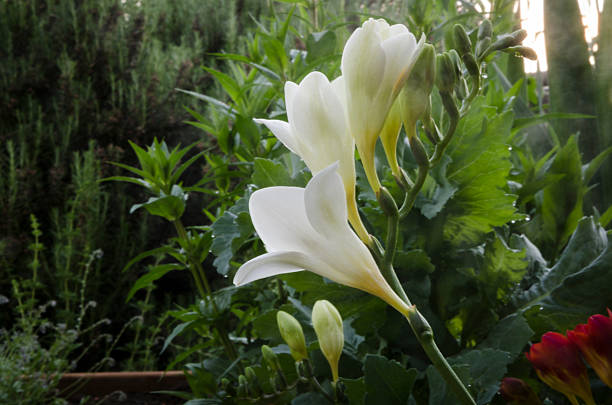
[(79, 78)]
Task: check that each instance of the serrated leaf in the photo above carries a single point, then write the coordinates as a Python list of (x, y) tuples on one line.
[(479, 168), (435, 196), (387, 382), (230, 231)]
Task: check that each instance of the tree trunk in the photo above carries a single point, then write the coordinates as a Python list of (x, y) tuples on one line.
[(570, 74)]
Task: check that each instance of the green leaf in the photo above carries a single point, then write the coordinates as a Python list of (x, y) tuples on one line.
[(479, 169), (438, 390), (310, 398), (369, 311), (178, 329), (521, 123), (171, 207), (487, 368), (154, 273), (152, 252), (578, 284), (502, 268), (510, 334), (387, 381), (561, 205), (228, 83), (355, 390), (230, 231), (268, 173), (320, 44), (436, 191)]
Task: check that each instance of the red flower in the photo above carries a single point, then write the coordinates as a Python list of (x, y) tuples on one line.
[(595, 342), (558, 363), (516, 391)]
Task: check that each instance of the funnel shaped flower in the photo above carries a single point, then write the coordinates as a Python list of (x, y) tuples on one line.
[(307, 229), (595, 343), (376, 60), (318, 133), (558, 363)]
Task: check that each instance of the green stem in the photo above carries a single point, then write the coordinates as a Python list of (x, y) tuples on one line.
[(441, 147), (425, 336), (197, 272), (411, 195)]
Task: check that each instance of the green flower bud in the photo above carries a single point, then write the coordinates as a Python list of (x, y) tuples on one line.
[(446, 75), (414, 98), (291, 331), (463, 45), (418, 151), (508, 40), (243, 386), (327, 324), (523, 51), (481, 47), (449, 104), (252, 380), (461, 90), (270, 358), (471, 65), (485, 29), (387, 203)]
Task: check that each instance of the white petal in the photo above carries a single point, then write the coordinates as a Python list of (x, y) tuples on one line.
[(290, 91), (339, 89), (282, 130), (325, 202), (279, 217), (399, 51), (269, 264)]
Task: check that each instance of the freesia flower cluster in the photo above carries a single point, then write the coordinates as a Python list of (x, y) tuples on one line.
[(309, 228), (558, 362)]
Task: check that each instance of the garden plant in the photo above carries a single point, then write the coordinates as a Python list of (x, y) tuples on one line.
[(381, 207)]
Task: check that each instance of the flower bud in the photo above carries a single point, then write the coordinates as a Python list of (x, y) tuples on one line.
[(594, 340), (482, 46), (243, 386), (523, 51), (463, 45), (446, 75), (291, 331), (471, 65), (414, 98), (270, 358), (516, 391), (485, 29), (387, 203), (418, 151), (327, 324), (558, 363), (508, 40), (252, 380)]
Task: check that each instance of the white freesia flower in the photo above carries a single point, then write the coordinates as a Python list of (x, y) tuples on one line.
[(307, 229), (317, 132), (376, 60)]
